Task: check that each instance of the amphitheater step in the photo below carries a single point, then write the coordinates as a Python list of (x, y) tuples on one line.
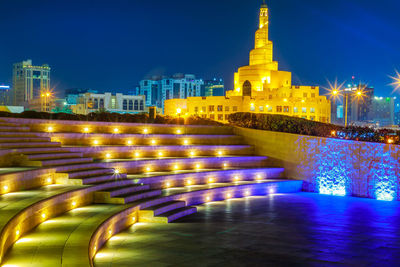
[(54, 156), (136, 196), (176, 214), (89, 172), (100, 179), (14, 129), (128, 189), (31, 144), (166, 207), (20, 134), (23, 139), (41, 150), (59, 162)]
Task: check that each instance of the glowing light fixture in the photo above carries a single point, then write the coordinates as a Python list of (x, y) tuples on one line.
[(208, 199), (192, 154), (108, 155), (179, 131), (137, 154), (145, 131), (49, 180), (129, 142), (116, 171), (198, 166), (17, 233), (167, 184), (148, 169), (189, 182), (50, 129), (5, 188), (258, 177), (96, 142), (247, 193), (236, 178), (229, 195), (220, 153), (153, 142), (210, 180), (86, 130), (225, 165), (390, 141), (43, 215), (333, 133), (116, 130), (178, 111), (73, 204), (185, 142)]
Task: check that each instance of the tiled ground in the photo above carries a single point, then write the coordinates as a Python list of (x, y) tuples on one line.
[(281, 230)]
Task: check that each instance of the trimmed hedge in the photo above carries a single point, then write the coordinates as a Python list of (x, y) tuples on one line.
[(287, 124), (111, 117)]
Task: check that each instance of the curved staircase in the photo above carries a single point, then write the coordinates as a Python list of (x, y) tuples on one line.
[(136, 172)]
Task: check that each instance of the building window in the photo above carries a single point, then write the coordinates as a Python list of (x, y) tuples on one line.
[(312, 95), (279, 109), (305, 95), (210, 108), (226, 117), (252, 108), (136, 106), (196, 109), (235, 108), (212, 116), (141, 105), (113, 103), (220, 108), (96, 104), (270, 97), (204, 109), (261, 108), (269, 109), (204, 116), (226, 108), (130, 105), (295, 110), (286, 109), (124, 104), (101, 103), (304, 110), (220, 117), (312, 110)]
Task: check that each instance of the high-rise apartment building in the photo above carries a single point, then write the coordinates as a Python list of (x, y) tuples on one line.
[(30, 82), (158, 89), (214, 87), (383, 111), (5, 95)]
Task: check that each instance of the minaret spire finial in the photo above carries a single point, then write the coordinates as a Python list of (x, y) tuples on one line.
[(264, 4)]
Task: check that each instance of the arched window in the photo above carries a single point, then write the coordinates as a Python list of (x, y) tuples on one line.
[(246, 88)]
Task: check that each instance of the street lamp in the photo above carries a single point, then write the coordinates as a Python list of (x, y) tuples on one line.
[(396, 81)]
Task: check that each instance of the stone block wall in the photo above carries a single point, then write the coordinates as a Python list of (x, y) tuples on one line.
[(331, 166)]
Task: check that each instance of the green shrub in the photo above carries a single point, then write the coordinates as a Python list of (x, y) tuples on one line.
[(287, 124)]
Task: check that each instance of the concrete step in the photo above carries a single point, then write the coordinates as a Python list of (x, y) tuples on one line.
[(31, 144), (124, 190), (128, 198), (55, 156), (41, 150), (59, 162), (10, 124), (14, 129), (23, 139), (93, 180), (20, 134), (85, 173), (176, 214), (166, 207)]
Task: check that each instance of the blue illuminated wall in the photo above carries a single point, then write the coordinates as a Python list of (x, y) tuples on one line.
[(332, 166)]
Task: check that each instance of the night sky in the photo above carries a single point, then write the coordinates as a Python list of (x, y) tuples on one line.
[(113, 44)]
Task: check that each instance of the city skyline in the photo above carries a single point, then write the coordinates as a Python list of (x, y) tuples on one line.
[(95, 51)]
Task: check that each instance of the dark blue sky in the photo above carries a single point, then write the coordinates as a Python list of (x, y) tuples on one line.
[(113, 44)]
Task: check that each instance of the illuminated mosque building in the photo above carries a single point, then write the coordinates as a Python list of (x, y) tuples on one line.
[(260, 88)]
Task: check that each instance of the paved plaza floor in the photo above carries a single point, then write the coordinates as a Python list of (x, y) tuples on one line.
[(280, 230)]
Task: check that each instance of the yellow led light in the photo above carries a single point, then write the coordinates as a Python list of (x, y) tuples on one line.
[(153, 142), (176, 167), (189, 182), (109, 232), (145, 130), (225, 165), (247, 193), (148, 169), (208, 199), (197, 166), (192, 153), (236, 178), (179, 131), (5, 188), (168, 184), (186, 142), (130, 142), (229, 195), (44, 215), (86, 130), (108, 155), (210, 180), (160, 154), (137, 154), (73, 204), (258, 177), (116, 171), (50, 129), (96, 142), (49, 180), (17, 233), (219, 153)]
